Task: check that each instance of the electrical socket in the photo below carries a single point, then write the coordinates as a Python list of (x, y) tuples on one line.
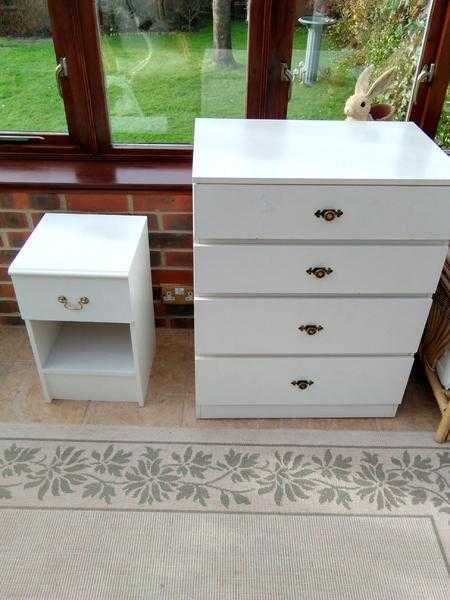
[(177, 294)]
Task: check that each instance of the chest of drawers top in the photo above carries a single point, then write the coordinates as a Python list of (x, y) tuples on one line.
[(316, 152)]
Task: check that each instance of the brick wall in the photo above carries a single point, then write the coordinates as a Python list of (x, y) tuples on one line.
[(170, 234)]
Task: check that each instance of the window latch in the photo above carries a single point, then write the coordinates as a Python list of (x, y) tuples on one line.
[(287, 76), (426, 75), (60, 72)]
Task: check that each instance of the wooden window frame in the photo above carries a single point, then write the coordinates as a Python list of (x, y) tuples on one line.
[(76, 36), (426, 112)]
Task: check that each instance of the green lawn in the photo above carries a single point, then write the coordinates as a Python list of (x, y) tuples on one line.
[(157, 84)]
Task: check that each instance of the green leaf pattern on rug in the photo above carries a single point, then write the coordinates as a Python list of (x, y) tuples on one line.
[(230, 476)]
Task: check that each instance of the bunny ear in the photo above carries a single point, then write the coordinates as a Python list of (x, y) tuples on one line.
[(362, 83), (381, 83)]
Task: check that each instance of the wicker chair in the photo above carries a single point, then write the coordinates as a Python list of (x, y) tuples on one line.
[(435, 341)]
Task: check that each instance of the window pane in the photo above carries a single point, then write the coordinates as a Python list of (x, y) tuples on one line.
[(161, 68), (29, 99), (443, 130), (336, 39)]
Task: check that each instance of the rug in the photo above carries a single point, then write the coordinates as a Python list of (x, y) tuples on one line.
[(135, 513)]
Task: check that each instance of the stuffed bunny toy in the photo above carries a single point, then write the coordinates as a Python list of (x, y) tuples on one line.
[(357, 107)]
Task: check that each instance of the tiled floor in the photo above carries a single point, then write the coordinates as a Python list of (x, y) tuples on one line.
[(171, 400)]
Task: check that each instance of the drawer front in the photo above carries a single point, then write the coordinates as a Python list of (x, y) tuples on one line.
[(289, 212), (268, 380), (309, 325), (109, 299), (282, 269)]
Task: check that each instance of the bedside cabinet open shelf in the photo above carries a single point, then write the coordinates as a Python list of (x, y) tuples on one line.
[(91, 349)]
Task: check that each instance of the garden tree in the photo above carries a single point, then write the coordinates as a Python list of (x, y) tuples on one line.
[(188, 13), (160, 10), (223, 55)]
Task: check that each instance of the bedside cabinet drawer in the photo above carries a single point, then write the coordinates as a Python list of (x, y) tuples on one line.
[(299, 381), (317, 269), (283, 212), (59, 298), (309, 325)]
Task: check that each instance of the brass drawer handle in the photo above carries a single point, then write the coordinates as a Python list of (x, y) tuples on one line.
[(311, 329), (329, 214), (319, 272), (68, 306), (302, 384)]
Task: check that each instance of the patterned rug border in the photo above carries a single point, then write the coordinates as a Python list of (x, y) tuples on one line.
[(243, 436)]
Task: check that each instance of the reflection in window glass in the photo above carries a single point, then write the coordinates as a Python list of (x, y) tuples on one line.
[(336, 39), (167, 62), (29, 99), (443, 130)]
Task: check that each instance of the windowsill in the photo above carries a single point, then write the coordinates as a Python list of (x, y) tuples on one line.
[(94, 175)]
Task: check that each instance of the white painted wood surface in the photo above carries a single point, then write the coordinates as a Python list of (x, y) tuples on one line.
[(287, 212), (109, 298), (88, 245), (91, 348), (271, 325), (267, 380), (287, 411), (104, 351), (281, 269), (143, 326), (94, 388), (257, 187), (316, 152)]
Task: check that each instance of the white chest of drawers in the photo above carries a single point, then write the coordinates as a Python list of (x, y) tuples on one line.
[(318, 246), (83, 285)]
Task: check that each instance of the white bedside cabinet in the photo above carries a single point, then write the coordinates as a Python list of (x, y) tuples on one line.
[(317, 248), (83, 285)]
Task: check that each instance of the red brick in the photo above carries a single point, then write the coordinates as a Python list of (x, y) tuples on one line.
[(35, 200), (175, 276), (14, 200), (44, 201), (36, 217), (8, 307), (152, 221), (173, 310), (13, 220), (179, 259), (162, 201), (7, 256), (4, 274), (97, 202), (17, 239), (10, 320), (155, 259), (170, 240), (160, 309), (180, 310), (6, 290), (182, 323), (177, 222)]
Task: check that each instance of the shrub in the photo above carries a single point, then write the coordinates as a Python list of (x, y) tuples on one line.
[(119, 16), (384, 33), (443, 132), (24, 18), (188, 14)]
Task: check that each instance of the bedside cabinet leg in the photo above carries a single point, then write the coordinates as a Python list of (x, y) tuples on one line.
[(444, 427)]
